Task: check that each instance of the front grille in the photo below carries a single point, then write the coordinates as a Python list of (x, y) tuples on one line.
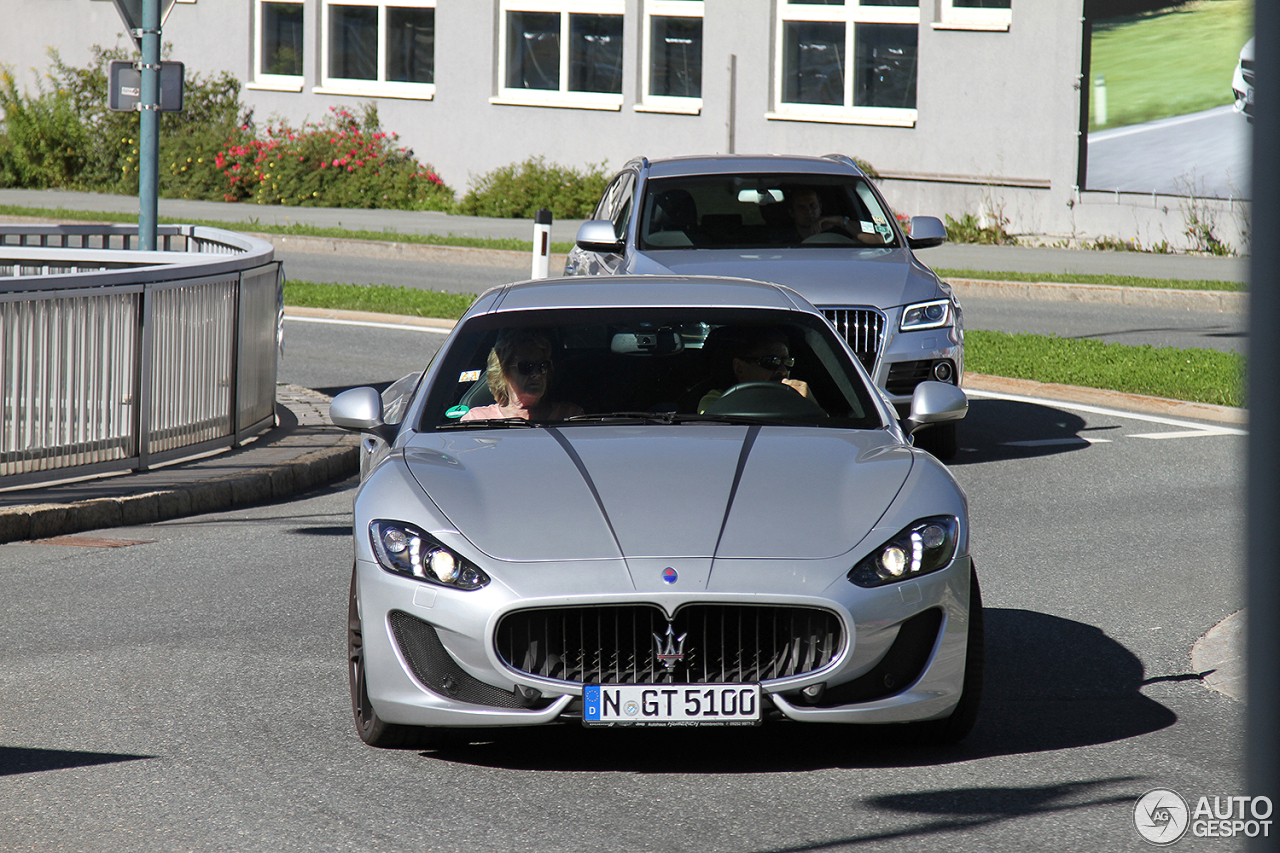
[(904, 376), (863, 328), (615, 644)]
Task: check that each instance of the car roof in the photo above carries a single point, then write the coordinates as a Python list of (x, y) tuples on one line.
[(640, 291), (722, 164)]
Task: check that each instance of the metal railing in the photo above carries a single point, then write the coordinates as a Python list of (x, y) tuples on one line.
[(114, 359)]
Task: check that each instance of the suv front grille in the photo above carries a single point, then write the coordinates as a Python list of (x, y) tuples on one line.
[(863, 328), (619, 644)]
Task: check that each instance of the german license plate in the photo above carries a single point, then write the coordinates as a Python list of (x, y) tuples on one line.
[(671, 704)]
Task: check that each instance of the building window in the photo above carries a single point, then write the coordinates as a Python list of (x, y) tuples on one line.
[(278, 50), (974, 14), (561, 53), (847, 61), (672, 56), (379, 48)]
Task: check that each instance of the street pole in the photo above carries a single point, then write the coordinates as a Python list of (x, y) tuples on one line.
[(149, 126)]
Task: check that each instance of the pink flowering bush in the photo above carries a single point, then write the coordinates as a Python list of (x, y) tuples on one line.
[(343, 161)]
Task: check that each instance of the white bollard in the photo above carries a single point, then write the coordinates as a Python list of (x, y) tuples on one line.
[(542, 244)]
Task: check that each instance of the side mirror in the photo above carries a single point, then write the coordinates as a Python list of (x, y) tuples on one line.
[(598, 236), (926, 232), (358, 410), (935, 403)]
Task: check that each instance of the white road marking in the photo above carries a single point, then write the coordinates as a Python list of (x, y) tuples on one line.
[(1053, 442), (1187, 429), (404, 327)]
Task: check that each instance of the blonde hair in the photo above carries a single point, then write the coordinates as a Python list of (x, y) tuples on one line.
[(500, 359)]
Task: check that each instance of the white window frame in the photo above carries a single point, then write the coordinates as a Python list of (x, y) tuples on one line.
[(380, 88), (562, 97), (664, 9), (952, 17), (850, 14), (261, 79)]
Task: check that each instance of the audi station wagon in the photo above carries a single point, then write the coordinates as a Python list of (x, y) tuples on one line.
[(816, 224), (649, 502)]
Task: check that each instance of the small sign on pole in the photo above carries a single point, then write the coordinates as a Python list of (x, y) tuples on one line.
[(124, 87)]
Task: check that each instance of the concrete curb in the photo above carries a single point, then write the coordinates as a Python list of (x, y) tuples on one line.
[(301, 457), (1145, 297)]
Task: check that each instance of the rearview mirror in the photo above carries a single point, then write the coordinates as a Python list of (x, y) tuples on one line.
[(598, 236), (935, 403), (926, 231)]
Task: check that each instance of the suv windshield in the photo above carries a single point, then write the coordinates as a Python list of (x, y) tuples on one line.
[(760, 211), (647, 365)]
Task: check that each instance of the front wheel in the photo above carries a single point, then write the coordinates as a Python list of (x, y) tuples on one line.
[(942, 440), (372, 729)]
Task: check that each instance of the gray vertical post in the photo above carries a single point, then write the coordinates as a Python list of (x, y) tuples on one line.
[(733, 103), (149, 127), (541, 244), (1262, 557)]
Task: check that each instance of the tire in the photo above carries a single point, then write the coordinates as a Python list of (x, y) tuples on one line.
[(372, 729), (943, 440), (957, 726)]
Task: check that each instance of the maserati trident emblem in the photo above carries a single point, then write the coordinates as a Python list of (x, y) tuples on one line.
[(669, 649)]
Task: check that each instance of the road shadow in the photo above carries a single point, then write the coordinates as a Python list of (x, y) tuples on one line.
[(1051, 683), (16, 759), (997, 430)]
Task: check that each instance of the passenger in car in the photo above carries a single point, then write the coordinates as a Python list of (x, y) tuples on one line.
[(519, 374), (805, 208), (750, 355)]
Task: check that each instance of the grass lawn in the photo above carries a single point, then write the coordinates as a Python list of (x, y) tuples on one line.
[(1168, 63)]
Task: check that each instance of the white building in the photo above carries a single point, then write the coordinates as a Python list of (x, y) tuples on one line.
[(963, 106)]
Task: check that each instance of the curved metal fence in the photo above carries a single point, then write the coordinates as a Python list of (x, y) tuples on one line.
[(114, 359)]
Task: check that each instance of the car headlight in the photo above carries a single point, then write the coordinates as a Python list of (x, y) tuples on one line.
[(925, 546), (403, 549), (926, 315)]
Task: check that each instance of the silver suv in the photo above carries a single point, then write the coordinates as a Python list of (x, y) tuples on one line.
[(816, 224)]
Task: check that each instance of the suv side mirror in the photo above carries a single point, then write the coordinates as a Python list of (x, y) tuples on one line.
[(598, 236), (926, 231)]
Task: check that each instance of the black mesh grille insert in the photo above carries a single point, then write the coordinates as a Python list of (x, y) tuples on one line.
[(437, 670), (620, 644), (863, 328)]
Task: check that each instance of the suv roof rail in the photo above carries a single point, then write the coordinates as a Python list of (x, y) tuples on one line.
[(842, 158)]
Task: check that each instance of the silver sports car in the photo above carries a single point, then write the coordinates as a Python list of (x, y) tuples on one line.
[(659, 502)]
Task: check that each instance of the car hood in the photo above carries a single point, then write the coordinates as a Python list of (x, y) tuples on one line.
[(884, 278), (698, 491)]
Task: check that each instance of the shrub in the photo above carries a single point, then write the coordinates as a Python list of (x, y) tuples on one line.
[(968, 230), (343, 161), (517, 191)]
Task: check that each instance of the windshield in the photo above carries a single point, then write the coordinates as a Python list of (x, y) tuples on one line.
[(579, 367), (759, 211)]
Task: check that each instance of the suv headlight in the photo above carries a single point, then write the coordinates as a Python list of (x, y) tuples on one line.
[(403, 549), (926, 315), (925, 546)]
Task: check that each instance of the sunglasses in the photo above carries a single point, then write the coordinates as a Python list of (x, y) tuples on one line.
[(528, 368), (770, 362)]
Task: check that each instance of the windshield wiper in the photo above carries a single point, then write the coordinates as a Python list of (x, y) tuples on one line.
[(668, 418), (492, 423), (633, 417)]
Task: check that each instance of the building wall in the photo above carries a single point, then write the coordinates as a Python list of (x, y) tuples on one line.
[(996, 133)]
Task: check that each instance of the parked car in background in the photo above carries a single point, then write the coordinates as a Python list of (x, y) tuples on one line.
[(1242, 81), (576, 514), (735, 215)]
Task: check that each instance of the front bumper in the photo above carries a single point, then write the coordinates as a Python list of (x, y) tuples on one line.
[(464, 683)]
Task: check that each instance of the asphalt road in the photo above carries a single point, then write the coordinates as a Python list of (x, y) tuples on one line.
[(1205, 154), (188, 692)]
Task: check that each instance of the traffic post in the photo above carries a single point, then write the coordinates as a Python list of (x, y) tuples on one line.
[(541, 243)]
